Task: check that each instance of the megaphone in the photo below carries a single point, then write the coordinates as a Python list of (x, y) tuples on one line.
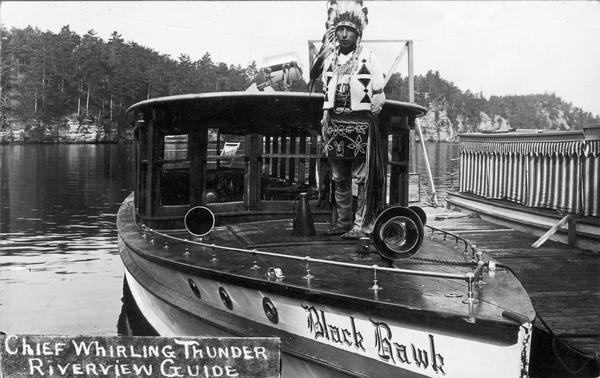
[(303, 224), (398, 232), (283, 68)]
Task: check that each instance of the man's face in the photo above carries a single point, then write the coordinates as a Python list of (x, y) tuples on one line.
[(346, 36)]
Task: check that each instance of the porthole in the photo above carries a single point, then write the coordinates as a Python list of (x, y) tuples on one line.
[(270, 310), (225, 298), (195, 288)]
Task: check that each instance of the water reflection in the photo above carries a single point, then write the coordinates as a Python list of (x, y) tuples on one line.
[(58, 259), (443, 160), (131, 321)]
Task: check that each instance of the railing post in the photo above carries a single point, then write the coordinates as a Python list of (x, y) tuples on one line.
[(255, 265), (214, 253), (375, 286), (308, 275), (470, 277)]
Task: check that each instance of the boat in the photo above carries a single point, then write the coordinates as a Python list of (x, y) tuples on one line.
[(237, 241), (543, 182)]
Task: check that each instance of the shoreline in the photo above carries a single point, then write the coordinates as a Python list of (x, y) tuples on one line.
[(3, 143)]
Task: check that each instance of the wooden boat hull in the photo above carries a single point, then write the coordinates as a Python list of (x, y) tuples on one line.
[(435, 315), (318, 339), (169, 320), (526, 219)]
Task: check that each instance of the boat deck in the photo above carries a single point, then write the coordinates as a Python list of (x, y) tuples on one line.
[(410, 293), (562, 281), (430, 294)]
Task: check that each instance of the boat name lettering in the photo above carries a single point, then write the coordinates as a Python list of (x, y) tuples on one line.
[(387, 349), (318, 326), (391, 351)]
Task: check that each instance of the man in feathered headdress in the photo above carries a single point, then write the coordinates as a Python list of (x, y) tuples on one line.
[(353, 86)]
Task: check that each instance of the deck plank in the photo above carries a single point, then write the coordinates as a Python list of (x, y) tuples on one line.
[(562, 281)]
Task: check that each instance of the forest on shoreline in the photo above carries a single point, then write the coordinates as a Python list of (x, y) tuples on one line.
[(64, 80)]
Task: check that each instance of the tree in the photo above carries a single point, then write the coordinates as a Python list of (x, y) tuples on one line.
[(91, 59), (48, 76)]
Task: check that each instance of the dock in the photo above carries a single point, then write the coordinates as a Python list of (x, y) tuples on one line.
[(563, 283)]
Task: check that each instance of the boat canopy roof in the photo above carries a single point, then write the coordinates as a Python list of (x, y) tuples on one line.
[(526, 141), (241, 113)]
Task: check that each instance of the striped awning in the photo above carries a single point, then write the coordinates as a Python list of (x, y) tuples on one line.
[(553, 174), (591, 147), (579, 147), (548, 143)]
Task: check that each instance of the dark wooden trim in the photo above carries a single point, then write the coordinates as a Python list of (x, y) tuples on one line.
[(198, 155), (163, 161), (252, 171), (283, 149), (572, 231), (267, 154), (138, 157), (302, 160), (148, 189), (275, 161), (294, 155), (399, 168), (312, 163), (312, 101), (292, 159), (492, 330), (398, 163)]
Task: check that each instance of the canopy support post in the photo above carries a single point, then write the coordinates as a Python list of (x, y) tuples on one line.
[(434, 199)]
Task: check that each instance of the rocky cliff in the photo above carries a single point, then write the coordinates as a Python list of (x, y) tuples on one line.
[(443, 122)]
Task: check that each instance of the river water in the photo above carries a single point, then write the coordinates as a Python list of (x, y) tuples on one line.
[(60, 271)]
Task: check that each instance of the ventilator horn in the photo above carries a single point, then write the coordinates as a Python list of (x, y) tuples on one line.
[(398, 233), (199, 221)]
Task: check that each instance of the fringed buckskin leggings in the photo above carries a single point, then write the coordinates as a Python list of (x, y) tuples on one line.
[(342, 172)]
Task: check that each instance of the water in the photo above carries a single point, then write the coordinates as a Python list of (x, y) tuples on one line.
[(60, 272), (59, 267), (443, 160)]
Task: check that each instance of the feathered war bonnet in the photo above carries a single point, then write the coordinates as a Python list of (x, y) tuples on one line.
[(350, 13), (339, 13)]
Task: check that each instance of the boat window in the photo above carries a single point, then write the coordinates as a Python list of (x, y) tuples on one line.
[(291, 165), (288, 166), (225, 175), (141, 167), (176, 147), (175, 171), (225, 150)]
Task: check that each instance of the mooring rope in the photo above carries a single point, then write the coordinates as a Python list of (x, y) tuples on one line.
[(445, 262)]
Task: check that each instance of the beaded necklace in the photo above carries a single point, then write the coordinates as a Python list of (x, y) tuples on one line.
[(345, 69)]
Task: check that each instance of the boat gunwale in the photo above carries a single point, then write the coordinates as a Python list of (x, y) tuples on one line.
[(307, 259), (498, 329), (369, 307)]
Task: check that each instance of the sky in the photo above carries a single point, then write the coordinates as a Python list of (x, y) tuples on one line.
[(493, 47)]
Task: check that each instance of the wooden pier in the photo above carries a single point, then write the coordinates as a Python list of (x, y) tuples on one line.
[(563, 283)]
